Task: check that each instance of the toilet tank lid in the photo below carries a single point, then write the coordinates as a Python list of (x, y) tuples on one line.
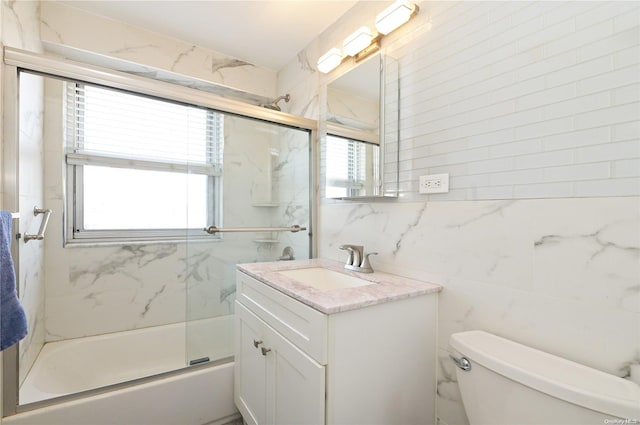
[(553, 375)]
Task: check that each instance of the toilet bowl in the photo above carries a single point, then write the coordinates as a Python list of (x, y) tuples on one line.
[(506, 383)]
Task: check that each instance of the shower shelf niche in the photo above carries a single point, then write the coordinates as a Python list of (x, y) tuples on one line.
[(265, 205), (267, 238)]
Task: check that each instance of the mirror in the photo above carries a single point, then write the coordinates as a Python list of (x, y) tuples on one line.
[(361, 155)]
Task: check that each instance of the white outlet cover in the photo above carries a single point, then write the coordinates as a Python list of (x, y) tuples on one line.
[(434, 183)]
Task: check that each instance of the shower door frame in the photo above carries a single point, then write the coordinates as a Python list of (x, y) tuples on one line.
[(15, 60), (11, 202)]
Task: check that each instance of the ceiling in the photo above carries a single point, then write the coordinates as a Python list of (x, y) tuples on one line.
[(267, 33)]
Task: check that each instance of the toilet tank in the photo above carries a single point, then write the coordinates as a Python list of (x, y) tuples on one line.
[(510, 383)]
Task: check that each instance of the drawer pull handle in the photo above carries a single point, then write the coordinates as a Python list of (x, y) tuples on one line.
[(256, 343), (265, 351)]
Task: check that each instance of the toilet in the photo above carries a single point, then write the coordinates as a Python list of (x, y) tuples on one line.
[(506, 383)]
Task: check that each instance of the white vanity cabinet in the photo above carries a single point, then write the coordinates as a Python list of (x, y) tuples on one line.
[(295, 365), (279, 383)]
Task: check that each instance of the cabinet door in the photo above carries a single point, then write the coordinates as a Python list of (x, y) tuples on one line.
[(250, 367), (295, 383), (275, 382)]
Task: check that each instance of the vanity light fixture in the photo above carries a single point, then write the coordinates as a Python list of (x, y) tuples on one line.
[(364, 41), (329, 60), (395, 15), (358, 41)]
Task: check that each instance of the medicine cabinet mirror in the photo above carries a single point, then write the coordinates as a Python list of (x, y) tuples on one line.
[(361, 144)]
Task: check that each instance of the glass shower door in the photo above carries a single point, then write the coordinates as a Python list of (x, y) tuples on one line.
[(264, 184), (120, 283)]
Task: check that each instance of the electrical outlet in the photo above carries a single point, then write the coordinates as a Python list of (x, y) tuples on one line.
[(434, 183)]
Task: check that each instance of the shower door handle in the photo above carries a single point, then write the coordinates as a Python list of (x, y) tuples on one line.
[(43, 225)]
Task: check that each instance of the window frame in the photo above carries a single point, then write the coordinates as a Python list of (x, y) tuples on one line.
[(75, 233)]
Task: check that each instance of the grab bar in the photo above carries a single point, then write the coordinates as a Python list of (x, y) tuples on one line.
[(43, 225), (213, 229)]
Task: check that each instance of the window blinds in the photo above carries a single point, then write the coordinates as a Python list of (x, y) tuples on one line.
[(120, 129)]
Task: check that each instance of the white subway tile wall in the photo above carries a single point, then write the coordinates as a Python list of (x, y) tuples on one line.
[(522, 99)]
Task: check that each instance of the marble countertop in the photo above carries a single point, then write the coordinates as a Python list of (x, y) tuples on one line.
[(388, 287)]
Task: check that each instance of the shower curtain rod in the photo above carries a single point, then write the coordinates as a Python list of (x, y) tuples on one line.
[(213, 229)]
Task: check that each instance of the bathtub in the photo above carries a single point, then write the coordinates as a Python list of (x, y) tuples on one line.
[(198, 395)]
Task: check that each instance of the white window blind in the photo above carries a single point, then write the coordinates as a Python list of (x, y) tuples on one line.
[(114, 128)]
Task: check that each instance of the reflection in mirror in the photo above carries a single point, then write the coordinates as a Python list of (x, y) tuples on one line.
[(353, 169), (361, 148), (353, 101)]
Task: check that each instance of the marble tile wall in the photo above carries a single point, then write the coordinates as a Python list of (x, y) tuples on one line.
[(21, 25), (66, 26), (557, 274)]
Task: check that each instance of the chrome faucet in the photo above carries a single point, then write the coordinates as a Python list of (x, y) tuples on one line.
[(357, 260)]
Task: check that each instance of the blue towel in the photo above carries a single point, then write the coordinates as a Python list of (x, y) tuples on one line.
[(13, 321)]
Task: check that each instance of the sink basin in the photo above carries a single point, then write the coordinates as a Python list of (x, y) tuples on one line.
[(324, 279)]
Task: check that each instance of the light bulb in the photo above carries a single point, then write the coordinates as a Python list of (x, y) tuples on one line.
[(357, 41), (394, 16), (329, 60)]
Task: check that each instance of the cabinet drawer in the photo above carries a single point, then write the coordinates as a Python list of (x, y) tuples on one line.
[(305, 327)]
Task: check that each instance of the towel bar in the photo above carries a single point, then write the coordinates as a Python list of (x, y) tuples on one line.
[(43, 225), (214, 229)]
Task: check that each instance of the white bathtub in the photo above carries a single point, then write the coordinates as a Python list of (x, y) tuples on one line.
[(203, 395)]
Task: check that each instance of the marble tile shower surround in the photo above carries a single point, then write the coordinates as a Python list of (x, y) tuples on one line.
[(159, 56), (147, 285), (64, 25), (83, 56), (114, 276), (21, 25), (165, 283)]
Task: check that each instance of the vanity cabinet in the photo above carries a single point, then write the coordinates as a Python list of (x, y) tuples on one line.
[(297, 365), (280, 384)]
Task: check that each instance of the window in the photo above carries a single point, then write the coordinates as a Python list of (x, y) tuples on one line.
[(140, 168), (349, 162)]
